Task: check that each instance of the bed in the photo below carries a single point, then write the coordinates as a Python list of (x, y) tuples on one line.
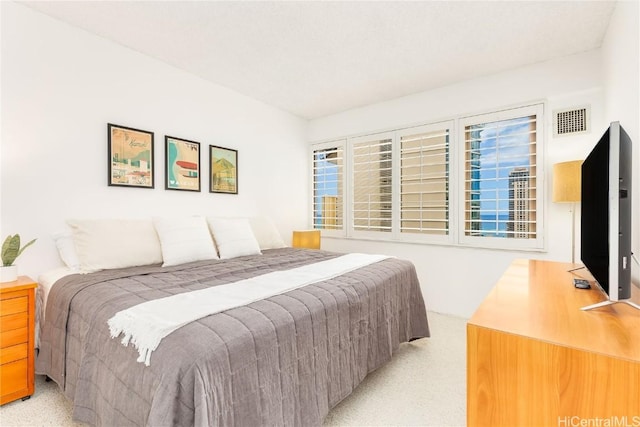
[(284, 360)]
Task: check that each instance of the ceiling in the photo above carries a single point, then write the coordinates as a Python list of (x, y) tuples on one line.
[(318, 58)]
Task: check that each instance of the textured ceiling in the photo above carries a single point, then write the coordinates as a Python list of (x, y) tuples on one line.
[(318, 58)]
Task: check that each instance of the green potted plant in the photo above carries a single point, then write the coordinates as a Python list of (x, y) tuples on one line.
[(10, 251)]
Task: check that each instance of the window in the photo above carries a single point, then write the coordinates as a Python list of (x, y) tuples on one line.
[(328, 170), (500, 176), (472, 181), (424, 180), (371, 160)]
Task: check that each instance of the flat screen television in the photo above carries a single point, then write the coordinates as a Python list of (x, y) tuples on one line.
[(606, 236)]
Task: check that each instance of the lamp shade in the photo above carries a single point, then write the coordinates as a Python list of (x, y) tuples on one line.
[(567, 181)]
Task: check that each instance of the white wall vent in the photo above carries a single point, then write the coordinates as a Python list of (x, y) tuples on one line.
[(571, 121)]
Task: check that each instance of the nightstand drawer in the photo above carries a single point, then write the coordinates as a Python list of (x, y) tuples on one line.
[(13, 321), (13, 376), (14, 337), (17, 324), (14, 305), (13, 353)]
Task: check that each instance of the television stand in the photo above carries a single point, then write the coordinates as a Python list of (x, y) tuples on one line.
[(609, 302), (535, 359)]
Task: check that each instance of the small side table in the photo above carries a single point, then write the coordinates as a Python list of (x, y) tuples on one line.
[(309, 239), (17, 325)]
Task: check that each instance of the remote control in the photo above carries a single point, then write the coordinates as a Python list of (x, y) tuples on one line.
[(581, 284)]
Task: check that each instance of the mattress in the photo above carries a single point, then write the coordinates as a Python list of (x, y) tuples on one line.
[(285, 360)]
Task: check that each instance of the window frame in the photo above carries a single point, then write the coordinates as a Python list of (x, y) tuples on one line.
[(456, 194), (351, 231), (536, 243), (337, 143), (409, 237)]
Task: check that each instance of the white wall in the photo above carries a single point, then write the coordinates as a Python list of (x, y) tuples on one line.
[(60, 88), (621, 62), (455, 280), (61, 85)]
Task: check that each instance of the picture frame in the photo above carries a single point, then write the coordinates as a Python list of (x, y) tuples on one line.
[(181, 164), (131, 157), (223, 170)]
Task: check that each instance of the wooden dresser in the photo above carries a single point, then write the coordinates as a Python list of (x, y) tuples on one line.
[(17, 323), (535, 359)]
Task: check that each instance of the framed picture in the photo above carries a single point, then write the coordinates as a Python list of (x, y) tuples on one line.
[(130, 157), (223, 167), (182, 164)]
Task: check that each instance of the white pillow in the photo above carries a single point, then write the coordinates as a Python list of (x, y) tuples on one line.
[(233, 237), (67, 249), (184, 240), (266, 233), (115, 243)]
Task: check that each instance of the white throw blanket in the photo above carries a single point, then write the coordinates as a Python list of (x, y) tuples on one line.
[(147, 323)]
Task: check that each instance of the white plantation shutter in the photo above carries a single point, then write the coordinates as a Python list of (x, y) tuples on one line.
[(371, 160), (500, 177), (328, 186), (424, 180), (469, 181)]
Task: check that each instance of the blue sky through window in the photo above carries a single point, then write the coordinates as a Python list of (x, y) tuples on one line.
[(503, 147), (325, 182)]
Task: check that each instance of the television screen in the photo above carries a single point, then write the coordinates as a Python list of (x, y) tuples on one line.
[(606, 213)]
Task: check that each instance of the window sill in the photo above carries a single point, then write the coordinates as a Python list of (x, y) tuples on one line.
[(440, 244)]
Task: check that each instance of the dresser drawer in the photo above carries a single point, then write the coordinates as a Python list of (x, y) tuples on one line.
[(13, 337), (13, 321), (13, 376), (14, 305), (13, 353)]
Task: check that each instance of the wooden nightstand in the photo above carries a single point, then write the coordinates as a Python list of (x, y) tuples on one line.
[(17, 324), (309, 239)]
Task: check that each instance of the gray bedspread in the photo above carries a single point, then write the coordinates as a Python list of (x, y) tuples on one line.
[(285, 360)]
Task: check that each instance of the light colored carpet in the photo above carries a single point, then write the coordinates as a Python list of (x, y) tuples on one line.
[(423, 385)]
